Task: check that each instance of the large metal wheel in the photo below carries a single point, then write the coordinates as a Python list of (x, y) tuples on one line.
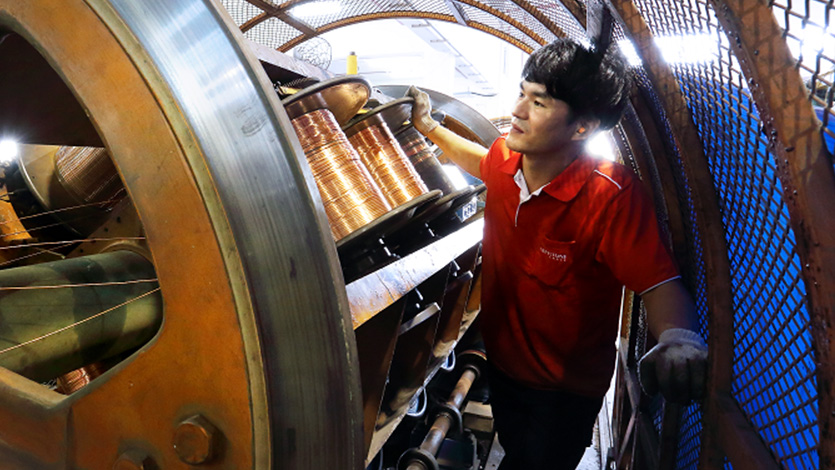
[(256, 337)]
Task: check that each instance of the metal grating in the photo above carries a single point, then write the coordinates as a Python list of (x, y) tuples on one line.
[(544, 34), (558, 14), (482, 17), (773, 359), (693, 274), (272, 32), (810, 33), (687, 455), (241, 12)]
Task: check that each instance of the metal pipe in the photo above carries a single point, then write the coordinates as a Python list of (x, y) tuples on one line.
[(57, 317), (445, 420)]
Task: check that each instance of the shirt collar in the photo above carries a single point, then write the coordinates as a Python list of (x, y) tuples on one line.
[(567, 184)]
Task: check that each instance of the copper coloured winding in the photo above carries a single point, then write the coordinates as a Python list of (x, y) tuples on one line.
[(75, 380), (424, 160), (389, 166), (349, 194)]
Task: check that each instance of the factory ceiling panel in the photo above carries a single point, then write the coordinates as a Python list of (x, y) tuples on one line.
[(524, 23)]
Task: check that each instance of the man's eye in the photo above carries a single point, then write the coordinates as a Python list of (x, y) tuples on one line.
[(538, 104)]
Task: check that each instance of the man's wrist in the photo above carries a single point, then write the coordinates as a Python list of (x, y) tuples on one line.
[(426, 125), (681, 335)]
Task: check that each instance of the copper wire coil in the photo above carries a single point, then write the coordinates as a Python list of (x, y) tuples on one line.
[(389, 166), (74, 380), (423, 158), (89, 174), (349, 194)]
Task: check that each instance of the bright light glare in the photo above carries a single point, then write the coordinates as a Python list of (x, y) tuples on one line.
[(311, 9), (688, 49), (600, 146), (8, 150), (629, 52), (455, 176), (681, 49), (813, 40)]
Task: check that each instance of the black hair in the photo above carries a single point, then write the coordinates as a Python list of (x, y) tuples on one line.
[(594, 87)]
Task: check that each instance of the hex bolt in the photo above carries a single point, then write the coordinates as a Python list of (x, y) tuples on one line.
[(134, 460), (195, 440)]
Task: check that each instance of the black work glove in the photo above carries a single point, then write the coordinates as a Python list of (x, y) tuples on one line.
[(676, 366)]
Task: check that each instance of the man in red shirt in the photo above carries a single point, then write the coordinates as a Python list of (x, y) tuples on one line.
[(563, 234)]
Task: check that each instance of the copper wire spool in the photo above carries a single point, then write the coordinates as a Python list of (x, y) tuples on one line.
[(423, 158), (74, 380), (389, 166), (89, 174), (349, 194)]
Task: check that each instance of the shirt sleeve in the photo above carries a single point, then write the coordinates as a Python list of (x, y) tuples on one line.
[(631, 245), (486, 163)]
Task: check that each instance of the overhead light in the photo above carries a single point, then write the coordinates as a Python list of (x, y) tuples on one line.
[(313, 9), (8, 150)]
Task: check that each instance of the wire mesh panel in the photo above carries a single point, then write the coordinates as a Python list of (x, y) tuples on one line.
[(272, 32), (773, 360), (558, 14), (520, 15), (241, 11), (689, 438), (810, 34), (482, 17)]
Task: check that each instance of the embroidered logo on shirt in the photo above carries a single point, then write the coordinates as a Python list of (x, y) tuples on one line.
[(560, 257)]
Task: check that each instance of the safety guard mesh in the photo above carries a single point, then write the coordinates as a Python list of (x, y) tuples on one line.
[(773, 368), (810, 34)]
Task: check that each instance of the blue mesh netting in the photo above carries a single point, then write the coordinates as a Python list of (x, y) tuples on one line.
[(773, 360), (773, 368)]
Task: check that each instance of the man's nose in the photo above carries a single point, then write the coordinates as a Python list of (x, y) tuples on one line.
[(520, 110)]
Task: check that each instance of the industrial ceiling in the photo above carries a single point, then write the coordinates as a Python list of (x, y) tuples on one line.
[(525, 23)]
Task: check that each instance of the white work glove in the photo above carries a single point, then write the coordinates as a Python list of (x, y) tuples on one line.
[(676, 366), (422, 111)]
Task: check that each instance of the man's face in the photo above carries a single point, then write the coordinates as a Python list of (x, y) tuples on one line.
[(541, 125)]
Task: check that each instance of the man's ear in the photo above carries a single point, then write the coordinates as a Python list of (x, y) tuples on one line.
[(585, 129)]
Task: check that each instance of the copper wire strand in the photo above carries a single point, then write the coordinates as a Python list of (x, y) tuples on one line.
[(388, 164), (349, 194), (41, 227), (55, 211), (73, 325), (65, 242), (30, 255), (89, 284)]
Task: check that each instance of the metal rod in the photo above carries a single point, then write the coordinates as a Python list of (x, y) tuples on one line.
[(49, 332), (444, 422)]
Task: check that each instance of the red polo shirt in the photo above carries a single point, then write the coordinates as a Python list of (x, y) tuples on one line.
[(554, 268)]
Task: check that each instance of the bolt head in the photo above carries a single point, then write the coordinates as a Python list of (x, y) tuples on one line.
[(195, 440), (134, 460)]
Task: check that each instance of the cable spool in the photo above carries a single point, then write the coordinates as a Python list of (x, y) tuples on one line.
[(389, 166), (398, 115), (76, 185), (89, 173), (349, 193)]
